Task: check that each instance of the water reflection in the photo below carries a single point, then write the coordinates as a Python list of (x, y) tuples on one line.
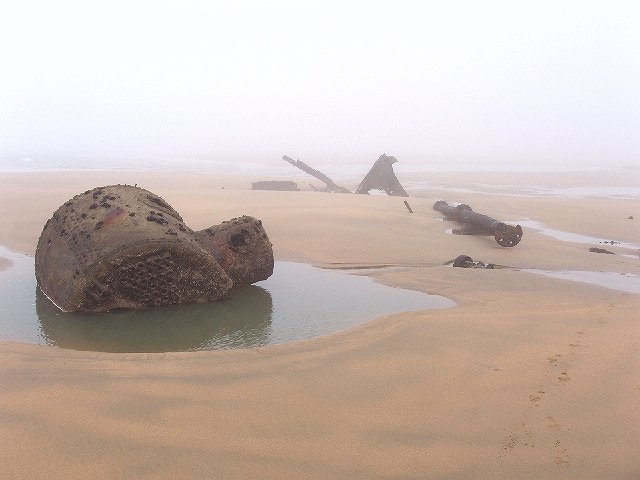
[(240, 322), (297, 302)]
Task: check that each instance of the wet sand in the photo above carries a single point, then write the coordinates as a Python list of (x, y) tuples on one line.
[(528, 377), (5, 263)]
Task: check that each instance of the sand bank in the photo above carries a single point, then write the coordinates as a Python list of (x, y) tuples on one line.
[(529, 377)]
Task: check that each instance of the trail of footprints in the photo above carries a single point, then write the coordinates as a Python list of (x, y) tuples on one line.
[(560, 378)]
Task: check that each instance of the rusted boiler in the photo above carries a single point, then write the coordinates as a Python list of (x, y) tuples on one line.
[(121, 246)]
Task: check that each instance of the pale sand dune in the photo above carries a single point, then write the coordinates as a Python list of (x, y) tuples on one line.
[(529, 377)]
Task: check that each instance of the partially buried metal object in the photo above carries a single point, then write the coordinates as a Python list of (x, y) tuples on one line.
[(465, 261), (505, 235), (382, 177), (121, 246)]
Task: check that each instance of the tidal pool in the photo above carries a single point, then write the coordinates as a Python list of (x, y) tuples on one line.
[(624, 282), (574, 237), (297, 302)]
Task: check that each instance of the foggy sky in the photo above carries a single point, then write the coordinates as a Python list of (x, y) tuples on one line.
[(339, 81)]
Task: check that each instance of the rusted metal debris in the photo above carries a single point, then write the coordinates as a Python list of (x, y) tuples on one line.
[(121, 246), (280, 185), (331, 185), (476, 223), (382, 177), (601, 250), (465, 261)]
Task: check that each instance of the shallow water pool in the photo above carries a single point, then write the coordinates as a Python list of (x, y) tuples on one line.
[(297, 302)]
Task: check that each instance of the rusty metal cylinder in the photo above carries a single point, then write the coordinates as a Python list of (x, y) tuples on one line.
[(121, 246), (504, 234)]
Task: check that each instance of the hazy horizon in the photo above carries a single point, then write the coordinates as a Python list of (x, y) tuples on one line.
[(325, 82)]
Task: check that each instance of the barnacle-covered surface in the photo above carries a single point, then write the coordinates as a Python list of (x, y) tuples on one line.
[(241, 247), (121, 246)]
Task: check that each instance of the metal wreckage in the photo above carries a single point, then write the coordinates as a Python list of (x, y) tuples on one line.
[(120, 246), (382, 177), (476, 223)]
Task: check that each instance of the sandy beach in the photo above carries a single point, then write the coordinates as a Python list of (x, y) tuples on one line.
[(527, 377)]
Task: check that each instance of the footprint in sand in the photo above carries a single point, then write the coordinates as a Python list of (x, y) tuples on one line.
[(577, 342), (564, 377), (554, 359), (562, 457), (535, 397), (552, 423)]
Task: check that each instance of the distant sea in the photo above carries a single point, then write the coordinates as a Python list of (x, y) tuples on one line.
[(338, 172), (178, 163)]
